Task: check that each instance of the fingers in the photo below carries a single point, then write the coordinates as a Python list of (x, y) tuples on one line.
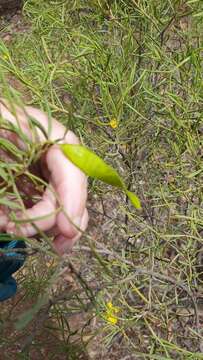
[(22, 117), (19, 120), (63, 244), (69, 183), (71, 186), (44, 209), (54, 129)]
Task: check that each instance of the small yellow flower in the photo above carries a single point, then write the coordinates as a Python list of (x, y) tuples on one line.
[(113, 123), (110, 313), (112, 319), (5, 57)]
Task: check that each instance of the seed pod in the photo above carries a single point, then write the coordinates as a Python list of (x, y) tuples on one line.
[(92, 165)]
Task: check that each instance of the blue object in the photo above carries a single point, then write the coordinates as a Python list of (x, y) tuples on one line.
[(8, 288), (10, 262)]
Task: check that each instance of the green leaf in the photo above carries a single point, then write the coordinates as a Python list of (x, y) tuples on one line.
[(8, 237), (9, 203), (36, 123), (3, 174), (134, 199), (92, 165), (10, 147)]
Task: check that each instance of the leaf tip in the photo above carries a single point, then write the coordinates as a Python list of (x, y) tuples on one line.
[(135, 201)]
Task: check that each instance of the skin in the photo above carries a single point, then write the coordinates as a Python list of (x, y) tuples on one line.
[(67, 185)]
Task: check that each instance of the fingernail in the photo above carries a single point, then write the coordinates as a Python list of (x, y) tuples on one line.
[(11, 228)]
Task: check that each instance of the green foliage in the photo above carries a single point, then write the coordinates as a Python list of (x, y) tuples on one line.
[(140, 63)]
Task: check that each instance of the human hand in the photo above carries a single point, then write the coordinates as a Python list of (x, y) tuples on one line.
[(63, 202)]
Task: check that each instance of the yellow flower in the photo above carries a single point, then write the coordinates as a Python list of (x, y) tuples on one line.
[(113, 123), (110, 313), (5, 57), (112, 319)]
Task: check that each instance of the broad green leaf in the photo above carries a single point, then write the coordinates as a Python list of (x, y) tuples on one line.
[(92, 165)]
